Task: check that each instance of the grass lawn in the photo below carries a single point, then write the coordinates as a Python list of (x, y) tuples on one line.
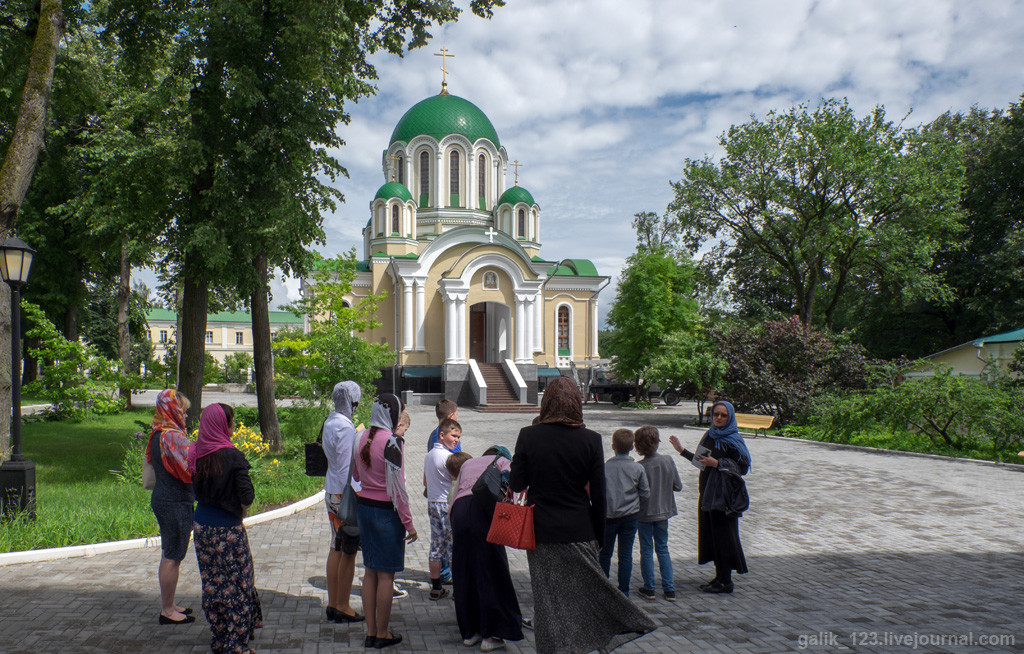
[(79, 500)]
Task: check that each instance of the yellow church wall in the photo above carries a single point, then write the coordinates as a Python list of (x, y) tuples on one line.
[(580, 328)]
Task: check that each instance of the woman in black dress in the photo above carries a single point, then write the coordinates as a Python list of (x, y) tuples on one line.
[(718, 534)]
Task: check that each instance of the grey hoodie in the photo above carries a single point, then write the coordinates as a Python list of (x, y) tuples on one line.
[(340, 436)]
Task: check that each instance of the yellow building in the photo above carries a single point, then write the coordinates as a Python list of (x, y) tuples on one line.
[(978, 358), (458, 254), (227, 332)]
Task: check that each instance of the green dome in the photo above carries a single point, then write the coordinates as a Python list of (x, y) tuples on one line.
[(515, 195), (393, 190), (441, 115)]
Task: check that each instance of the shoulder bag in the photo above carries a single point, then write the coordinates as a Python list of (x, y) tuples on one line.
[(512, 524), (316, 460), (349, 512), (148, 474), (490, 486)]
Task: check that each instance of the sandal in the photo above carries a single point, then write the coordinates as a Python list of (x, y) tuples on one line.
[(436, 594)]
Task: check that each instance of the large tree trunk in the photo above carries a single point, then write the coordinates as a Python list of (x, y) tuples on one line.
[(71, 323), (16, 172), (192, 344), (263, 361), (124, 342)]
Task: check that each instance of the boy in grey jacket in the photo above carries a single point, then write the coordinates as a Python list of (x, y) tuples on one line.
[(625, 487), (655, 512)]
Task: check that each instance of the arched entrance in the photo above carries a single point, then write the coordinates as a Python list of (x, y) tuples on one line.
[(489, 332)]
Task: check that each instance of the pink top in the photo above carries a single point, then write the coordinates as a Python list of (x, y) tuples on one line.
[(374, 478), (471, 471)]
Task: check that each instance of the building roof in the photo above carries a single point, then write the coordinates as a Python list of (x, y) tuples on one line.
[(445, 114), (276, 317), (515, 195), (1009, 337), (393, 190), (574, 268)]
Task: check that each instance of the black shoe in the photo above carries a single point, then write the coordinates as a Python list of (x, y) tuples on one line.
[(646, 593), (188, 610), (388, 642), (186, 620), (334, 615), (718, 587), (708, 583), (670, 595), (370, 642)]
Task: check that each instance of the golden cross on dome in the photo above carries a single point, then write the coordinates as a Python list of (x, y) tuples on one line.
[(516, 165), (444, 67)]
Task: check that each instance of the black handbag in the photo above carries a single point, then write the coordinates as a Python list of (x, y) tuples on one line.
[(725, 490), (316, 460), (490, 486)]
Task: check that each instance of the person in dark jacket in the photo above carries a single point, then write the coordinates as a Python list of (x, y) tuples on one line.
[(561, 463), (718, 533), (220, 475)]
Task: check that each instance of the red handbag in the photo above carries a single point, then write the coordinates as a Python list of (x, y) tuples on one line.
[(512, 524)]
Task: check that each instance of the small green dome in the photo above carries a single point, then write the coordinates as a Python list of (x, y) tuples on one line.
[(393, 190), (444, 114), (515, 195)]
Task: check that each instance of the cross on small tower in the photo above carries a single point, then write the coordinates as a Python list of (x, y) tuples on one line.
[(444, 67), (490, 234), (516, 165)]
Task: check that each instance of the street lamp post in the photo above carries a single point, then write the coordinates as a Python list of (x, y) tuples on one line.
[(18, 475)]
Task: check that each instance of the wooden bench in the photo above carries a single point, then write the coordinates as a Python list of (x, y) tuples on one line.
[(751, 421)]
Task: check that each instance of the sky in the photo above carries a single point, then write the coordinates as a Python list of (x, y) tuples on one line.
[(602, 101)]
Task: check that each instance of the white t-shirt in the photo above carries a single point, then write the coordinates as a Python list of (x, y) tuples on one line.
[(439, 482)]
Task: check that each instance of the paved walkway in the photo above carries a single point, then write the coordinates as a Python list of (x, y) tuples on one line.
[(848, 551)]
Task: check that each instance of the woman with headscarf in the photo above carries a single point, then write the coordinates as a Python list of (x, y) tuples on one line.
[(224, 491), (385, 521), (560, 463), (167, 452), (486, 605), (718, 532), (339, 443)]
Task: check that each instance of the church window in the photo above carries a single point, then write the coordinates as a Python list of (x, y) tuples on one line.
[(563, 330), (424, 178), (522, 224), (394, 219), (481, 185), (490, 281), (453, 173), (401, 170)]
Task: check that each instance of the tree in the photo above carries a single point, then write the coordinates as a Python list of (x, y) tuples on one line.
[(655, 297), (812, 202), (687, 359)]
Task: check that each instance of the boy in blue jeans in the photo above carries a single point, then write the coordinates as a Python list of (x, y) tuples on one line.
[(625, 486), (655, 512)]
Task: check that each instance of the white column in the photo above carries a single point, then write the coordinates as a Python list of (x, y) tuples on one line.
[(450, 328), (421, 301), (520, 329), (460, 320), (538, 322), (224, 337), (407, 315), (593, 329), (530, 322)]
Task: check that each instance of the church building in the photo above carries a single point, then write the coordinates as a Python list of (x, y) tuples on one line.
[(472, 309)]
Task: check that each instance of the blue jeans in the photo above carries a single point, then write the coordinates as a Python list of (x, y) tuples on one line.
[(623, 529), (654, 538)]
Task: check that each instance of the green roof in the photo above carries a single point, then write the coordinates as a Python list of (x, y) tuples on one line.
[(445, 114), (1008, 337), (363, 266), (393, 190), (228, 316), (574, 268), (515, 195)]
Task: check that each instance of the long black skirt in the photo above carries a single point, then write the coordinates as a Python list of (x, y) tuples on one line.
[(485, 599), (718, 541)]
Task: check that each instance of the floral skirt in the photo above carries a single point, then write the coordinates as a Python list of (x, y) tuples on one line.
[(230, 602)]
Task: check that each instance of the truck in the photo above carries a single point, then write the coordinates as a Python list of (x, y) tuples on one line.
[(604, 384)]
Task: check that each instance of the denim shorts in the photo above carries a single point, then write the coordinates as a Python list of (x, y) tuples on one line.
[(383, 539)]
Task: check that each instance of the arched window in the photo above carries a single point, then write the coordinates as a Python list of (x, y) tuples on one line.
[(401, 170), (481, 184), (563, 330), (453, 176), (424, 178), (522, 224), (394, 219)]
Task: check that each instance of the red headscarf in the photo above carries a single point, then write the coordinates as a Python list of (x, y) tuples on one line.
[(562, 403), (169, 421), (214, 434)]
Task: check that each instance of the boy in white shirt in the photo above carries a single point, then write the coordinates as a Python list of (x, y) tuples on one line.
[(438, 483)]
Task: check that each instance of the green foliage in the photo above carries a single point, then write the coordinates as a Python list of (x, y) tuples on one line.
[(950, 413), (655, 297), (76, 380), (807, 204), (691, 360), (236, 368), (311, 364), (778, 367)]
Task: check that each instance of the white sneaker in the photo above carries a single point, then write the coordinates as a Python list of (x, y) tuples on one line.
[(472, 640), (491, 644)]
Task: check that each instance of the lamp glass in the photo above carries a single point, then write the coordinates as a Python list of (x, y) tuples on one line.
[(16, 260)]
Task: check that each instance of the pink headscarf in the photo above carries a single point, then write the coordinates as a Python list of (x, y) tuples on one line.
[(214, 434)]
